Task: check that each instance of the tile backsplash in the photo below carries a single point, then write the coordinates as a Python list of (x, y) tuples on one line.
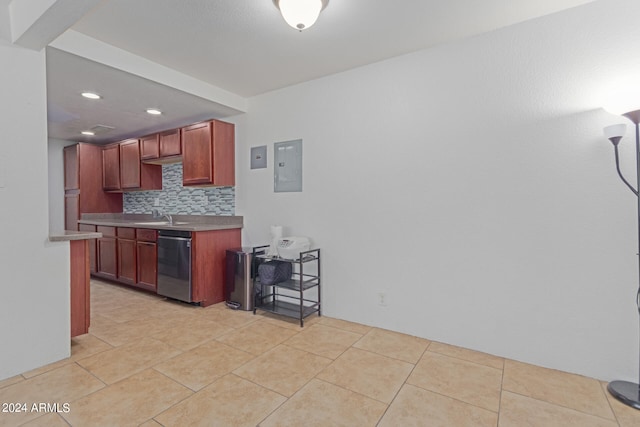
[(178, 200)]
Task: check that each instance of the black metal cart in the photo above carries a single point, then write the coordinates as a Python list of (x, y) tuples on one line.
[(294, 297)]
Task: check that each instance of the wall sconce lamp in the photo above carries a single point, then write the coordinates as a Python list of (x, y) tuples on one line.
[(625, 391), (300, 14)]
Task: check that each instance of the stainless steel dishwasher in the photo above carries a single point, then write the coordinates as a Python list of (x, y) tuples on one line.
[(174, 264)]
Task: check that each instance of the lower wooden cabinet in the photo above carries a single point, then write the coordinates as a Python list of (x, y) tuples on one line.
[(147, 253), (107, 253), (127, 270), (107, 257), (130, 256)]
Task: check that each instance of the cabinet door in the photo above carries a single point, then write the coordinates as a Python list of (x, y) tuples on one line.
[(92, 247), (130, 164), (150, 147), (223, 153), (127, 261), (170, 143), (71, 210), (71, 168), (147, 253), (196, 154), (107, 257), (111, 168)]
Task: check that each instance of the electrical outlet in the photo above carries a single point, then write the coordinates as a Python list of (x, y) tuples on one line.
[(382, 299)]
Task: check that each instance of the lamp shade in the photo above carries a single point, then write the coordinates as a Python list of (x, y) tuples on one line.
[(300, 14), (615, 131)]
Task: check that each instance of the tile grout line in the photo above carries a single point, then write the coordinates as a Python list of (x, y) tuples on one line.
[(613, 411), (470, 361), (565, 407), (447, 396), (193, 393), (404, 383), (501, 390)]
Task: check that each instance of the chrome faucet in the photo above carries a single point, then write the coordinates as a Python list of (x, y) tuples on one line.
[(157, 214)]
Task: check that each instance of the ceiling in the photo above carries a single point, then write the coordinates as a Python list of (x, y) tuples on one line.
[(244, 47)]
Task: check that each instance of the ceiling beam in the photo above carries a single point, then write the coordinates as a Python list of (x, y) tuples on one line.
[(36, 23), (87, 47)]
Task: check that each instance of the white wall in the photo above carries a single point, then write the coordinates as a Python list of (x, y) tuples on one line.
[(56, 182), (471, 184), (34, 273)]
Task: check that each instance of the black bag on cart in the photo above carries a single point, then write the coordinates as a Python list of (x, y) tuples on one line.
[(272, 272)]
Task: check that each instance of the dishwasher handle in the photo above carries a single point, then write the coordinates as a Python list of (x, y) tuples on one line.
[(180, 239)]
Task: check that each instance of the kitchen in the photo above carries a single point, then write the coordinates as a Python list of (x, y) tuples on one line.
[(398, 157), (97, 177)]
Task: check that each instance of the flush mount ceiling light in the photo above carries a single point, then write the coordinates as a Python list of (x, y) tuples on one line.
[(300, 14), (87, 132), (154, 111), (91, 95)]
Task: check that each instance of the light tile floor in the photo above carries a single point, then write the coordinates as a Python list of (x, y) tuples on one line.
[(152, 362)]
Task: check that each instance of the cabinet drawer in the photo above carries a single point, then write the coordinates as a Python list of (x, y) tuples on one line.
[(146, 235), (127, 233), (106, 231), (86, 227)]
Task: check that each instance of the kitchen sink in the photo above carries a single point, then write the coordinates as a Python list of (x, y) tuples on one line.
[(160, 223)]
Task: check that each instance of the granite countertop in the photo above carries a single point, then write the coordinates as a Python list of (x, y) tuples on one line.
[(67, 235), (180, 222)]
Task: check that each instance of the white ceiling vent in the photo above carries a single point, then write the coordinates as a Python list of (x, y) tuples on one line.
[(100, 129)]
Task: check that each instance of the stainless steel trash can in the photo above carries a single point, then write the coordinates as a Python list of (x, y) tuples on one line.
[(238, 287)]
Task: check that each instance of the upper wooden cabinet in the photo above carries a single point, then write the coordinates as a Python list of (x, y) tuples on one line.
[(161, 148), (170, 143), (150, 147), (111, 167), (130, 164), (208, 154), (123, 170)]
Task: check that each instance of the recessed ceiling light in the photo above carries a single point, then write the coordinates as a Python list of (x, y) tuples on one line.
[(91, 95), (154, 111), (87, 132)]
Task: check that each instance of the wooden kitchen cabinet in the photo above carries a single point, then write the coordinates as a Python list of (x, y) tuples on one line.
[(111, 168), (149, 147), (208, 154), (127, 268), (161, 148), (107, 253), (147, 255), (130, 164), (170, 143), (71, 210), (83, 184), (71, 167), (92, 247), (131, 173), (208, 263)]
